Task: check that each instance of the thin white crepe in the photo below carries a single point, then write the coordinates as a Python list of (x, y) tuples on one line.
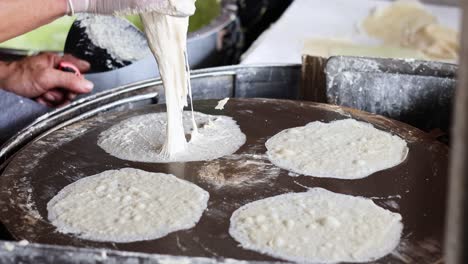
[(318, 226), (127, 205), (343, 149)]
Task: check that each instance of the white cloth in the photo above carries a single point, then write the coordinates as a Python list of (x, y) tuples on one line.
[(167, 7)]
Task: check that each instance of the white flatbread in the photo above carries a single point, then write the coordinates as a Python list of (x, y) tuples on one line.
[(318, 226), (141, 138), (343, 149), (398, 22), (410, 24), (127, 205)]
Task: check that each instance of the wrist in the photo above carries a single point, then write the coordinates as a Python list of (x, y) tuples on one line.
[(79, 6)]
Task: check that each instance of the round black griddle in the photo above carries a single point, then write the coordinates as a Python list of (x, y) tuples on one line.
[(416, 188)]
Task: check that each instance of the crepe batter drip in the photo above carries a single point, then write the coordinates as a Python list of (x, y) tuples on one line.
[(167, 38)]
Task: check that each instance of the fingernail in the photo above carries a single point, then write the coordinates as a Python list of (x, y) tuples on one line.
[(84, 64), (88, 86), (71, 96), (49, 97)]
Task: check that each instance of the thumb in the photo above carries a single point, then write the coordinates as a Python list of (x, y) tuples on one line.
[(69, 82)]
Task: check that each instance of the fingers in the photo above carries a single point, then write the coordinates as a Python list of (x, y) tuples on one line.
[(68, 81), (55, 95), (41, 100), (82, 65), (56, 98), (44, 102), (59, 96), (55, 59)]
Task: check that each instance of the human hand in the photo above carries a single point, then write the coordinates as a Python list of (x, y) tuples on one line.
[(37, 77), (180, 8)]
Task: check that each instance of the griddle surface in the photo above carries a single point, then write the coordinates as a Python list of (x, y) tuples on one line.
[(416, 188)]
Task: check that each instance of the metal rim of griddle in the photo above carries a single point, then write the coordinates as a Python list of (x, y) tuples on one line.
[(134, 93)]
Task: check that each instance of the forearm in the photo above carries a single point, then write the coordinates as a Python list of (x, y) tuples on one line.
[(21, 16)]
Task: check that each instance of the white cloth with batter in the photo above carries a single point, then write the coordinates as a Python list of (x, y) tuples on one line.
[(318, 226), (343, 149), (127, 205)]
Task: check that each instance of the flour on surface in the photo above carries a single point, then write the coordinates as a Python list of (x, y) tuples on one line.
[(141, 138), (127, 205), (317, 226), (238, 171), (23, 243), (9, 246), (344, 149), (222, 104)]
